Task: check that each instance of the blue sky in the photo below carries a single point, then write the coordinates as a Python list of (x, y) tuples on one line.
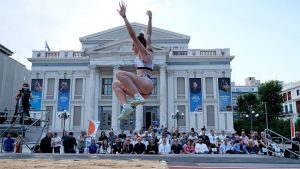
[(262, 35)]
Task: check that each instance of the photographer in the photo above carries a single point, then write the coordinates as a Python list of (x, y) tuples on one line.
[(23, 105)]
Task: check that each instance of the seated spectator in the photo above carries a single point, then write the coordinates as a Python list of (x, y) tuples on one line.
[(105, 148), (189, 148), (152, 148), (164, 148), (215, 148), (225, 146), (122, 135), (176, 148), (8, 144), (200, 147), (93, 147), (232, 137), (238, 148), (116, 148), (251, 148), (222, 135), (244, 137), (139, 147), (204, 137), (296, 140), (127, 146), (111, 138)]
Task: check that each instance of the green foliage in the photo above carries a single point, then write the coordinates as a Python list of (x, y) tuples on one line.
[(281, 126), (269, 93)]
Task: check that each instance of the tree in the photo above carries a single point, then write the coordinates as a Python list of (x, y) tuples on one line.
[(269, 94)]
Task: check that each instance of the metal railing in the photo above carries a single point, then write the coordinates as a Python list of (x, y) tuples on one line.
[(283, 144)]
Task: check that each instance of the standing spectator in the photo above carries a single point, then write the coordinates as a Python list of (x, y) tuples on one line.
[(164, 148), (81, 142), (176, 148), (127, 146), (105, 148), (8, 144), (46, 143), (200, 147), (18, 144), (56, 143), (122, 135), (139, 147), (69, 143), (93, 147)]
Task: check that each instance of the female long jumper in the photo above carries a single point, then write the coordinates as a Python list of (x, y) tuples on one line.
[(139, 86)]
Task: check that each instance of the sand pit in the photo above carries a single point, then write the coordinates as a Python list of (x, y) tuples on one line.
[(81, 164)]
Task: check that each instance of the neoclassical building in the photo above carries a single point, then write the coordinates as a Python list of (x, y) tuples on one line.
[(80, 82)]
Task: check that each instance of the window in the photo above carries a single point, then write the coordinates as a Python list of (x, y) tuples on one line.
[(104, 116), (50, 89), (154, 91), (291, 108), (289, 95), (107, 86), (180, 88), (78, 89), (210, 116), (209, 86), (77, 116), (49, 115), (298, 92)]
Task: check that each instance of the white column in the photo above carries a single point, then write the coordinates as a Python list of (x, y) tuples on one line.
[(91, 97), (139, 117), (97, 92), (115, 124), (163, 95)]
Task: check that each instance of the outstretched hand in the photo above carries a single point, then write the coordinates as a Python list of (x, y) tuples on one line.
[(122, 10), (149, 13)]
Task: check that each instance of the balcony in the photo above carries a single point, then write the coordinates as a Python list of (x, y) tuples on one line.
[(201, 52)]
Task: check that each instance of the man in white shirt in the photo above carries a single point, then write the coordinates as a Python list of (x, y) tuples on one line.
[(164, 147), (201, 148), (56, 143)]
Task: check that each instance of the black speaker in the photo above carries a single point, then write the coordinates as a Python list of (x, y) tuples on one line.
[(2, 117)]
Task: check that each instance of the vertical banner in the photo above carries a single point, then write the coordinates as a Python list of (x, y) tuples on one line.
[(36, 92), (225, 102), (292, 123), (195, 95), (63, 95)]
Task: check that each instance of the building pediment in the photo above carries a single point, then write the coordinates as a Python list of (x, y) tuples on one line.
[(125, 45), (119, 34)]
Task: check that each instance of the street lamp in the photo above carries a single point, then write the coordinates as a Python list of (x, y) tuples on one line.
[(64, 115), (177, 116), (251, 114)]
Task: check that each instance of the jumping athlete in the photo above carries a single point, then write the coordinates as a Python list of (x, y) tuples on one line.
[(138, 86)]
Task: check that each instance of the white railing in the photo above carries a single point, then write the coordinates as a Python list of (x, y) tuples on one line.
[(201, 52), (58, 54)]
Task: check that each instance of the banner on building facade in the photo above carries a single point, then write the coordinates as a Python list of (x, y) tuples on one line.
[(225, 101), (195, 95), (63, 103), (36, 92)]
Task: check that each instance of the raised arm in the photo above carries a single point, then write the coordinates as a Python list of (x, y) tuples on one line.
[(149, 31), (136, 42)]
